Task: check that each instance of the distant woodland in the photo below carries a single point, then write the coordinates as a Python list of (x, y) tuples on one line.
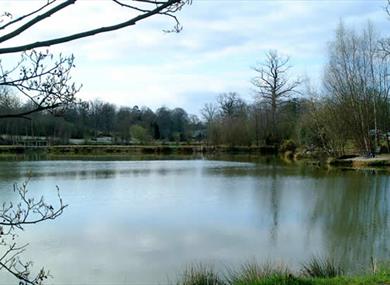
[(349, 110)]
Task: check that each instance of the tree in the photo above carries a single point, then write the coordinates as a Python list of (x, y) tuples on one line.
[(385, 43), (319, 126), (259, 120), (164, 123), (209, 113), (107, 114), (230, 104), (233, 113), (148, 121), (273, 85), (123, 123), (15, 217), (180, 124), (139, 134), (357, 85)]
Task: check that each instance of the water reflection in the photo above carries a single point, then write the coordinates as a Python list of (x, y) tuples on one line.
[(353, 213), (275, 198), (139, 221)]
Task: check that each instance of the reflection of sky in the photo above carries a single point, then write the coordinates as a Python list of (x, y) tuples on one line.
[(142, 221)]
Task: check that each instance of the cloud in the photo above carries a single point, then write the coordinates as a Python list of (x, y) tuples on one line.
[(214, 53)]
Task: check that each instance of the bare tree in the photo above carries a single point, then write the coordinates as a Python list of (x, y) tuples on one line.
[(15, 217), (358, 85), (260, 121), (233, 125), (139, 10), (209, 113), (230, 104), (272, 83), (385, 43)]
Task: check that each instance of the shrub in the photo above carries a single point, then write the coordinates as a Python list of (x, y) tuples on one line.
[(288, 145)]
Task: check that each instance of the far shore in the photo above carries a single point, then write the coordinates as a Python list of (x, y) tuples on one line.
[(133, 149), (352, 161)]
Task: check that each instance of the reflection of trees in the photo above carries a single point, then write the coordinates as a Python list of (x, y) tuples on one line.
[(275, 202), (353, 213), (268, 168), (346, 214)]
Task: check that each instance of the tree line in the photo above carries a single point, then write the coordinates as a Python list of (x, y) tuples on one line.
[(349, 110), (93, 119)]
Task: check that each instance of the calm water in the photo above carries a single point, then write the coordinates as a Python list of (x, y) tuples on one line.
[(141, 222)]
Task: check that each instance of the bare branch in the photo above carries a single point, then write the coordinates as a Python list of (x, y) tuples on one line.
[(36, 20), (15, 216), (130, 6), (27, 15), (45, 82), (165, 8)]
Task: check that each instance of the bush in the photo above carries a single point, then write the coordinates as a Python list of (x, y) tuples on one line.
[(288, 145), (140, 134)]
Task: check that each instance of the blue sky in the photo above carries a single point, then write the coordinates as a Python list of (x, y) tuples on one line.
[(221, 41)]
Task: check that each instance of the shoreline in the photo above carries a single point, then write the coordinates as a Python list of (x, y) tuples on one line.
[(381, 160), (135, 149), (316, 159), (316, 271)]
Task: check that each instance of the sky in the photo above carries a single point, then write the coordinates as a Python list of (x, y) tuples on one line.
[(221, 41)]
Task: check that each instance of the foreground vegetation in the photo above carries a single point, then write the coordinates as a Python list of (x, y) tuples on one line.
[(315, 272)]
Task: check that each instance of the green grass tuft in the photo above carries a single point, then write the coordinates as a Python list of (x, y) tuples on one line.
[(200, 275), (322, 268), (253, 273)]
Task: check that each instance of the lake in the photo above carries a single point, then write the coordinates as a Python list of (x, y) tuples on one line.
[(143, 221)]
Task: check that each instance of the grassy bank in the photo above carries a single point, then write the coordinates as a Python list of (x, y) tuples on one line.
[(382, 160), (352, 160), (315, 272)]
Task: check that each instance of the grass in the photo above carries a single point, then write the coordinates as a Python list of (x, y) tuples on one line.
[(253, 273), (316, 271), (318, 267), (200, 275)]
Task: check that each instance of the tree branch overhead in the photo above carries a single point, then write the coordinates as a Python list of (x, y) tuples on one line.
[(145, 9)]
